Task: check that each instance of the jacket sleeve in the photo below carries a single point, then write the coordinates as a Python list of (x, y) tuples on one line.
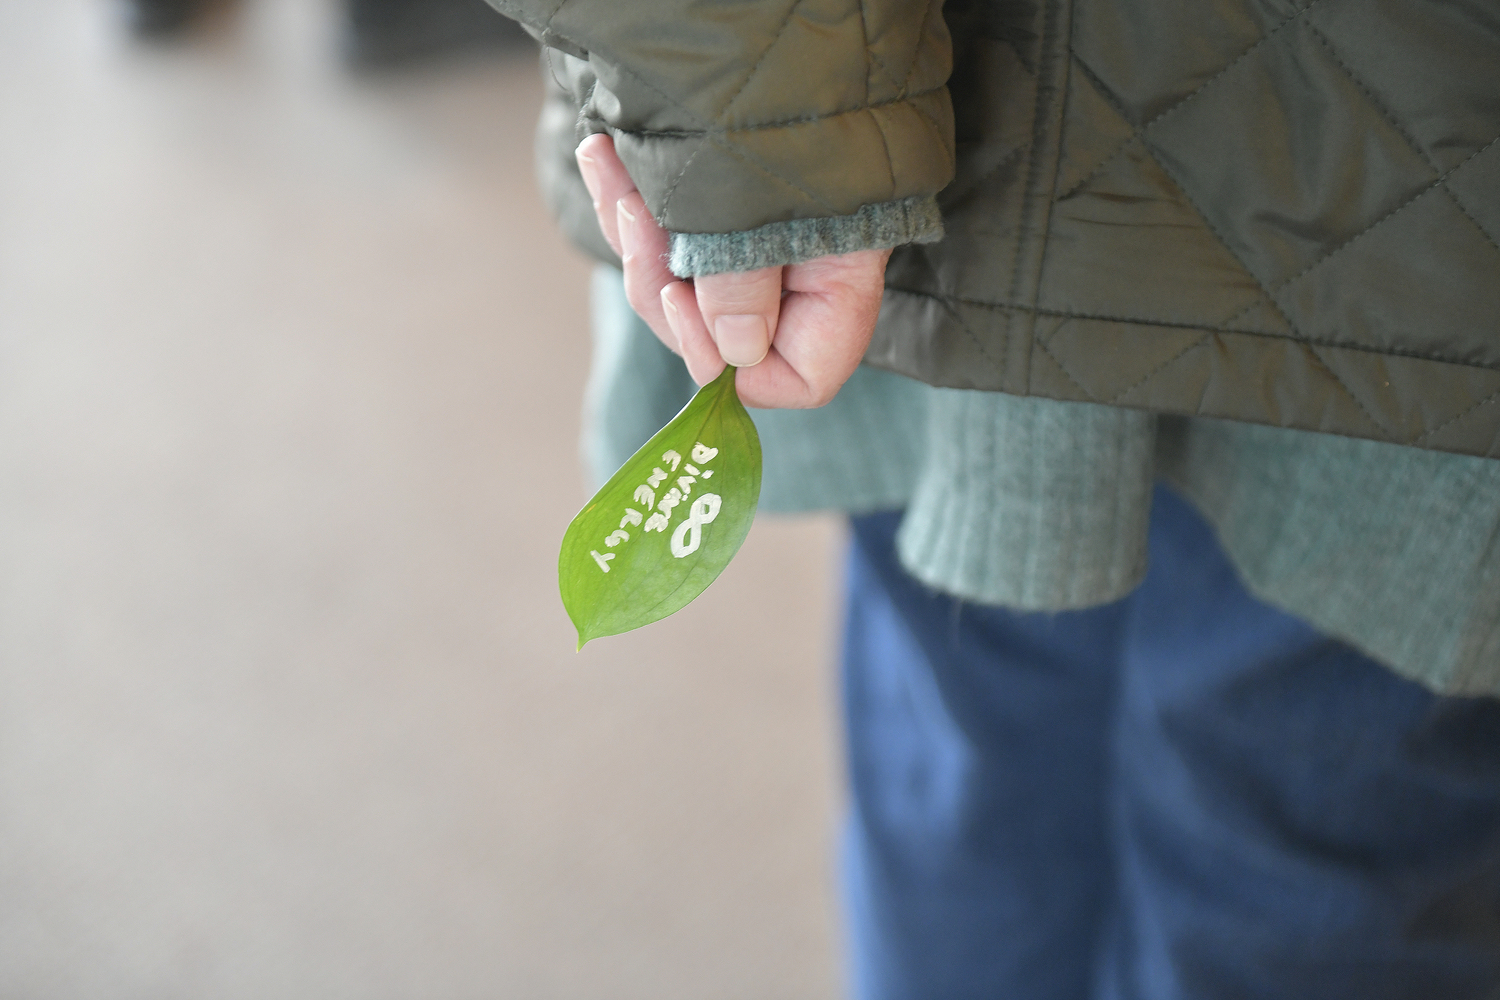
[(762, 132)]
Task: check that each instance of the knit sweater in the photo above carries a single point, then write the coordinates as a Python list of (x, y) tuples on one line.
[(1043, 505)]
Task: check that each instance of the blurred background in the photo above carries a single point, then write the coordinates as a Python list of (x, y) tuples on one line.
[(290, 368)]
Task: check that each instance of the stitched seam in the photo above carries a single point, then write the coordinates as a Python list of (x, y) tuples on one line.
[(1241, 314), (937, 129), (1371, 96), (885, 141), (1064, 369), (1179, 325), (1004, 161), (754, 162), (1201, 341), (547, 24), (885, 70), (864, 35), (1136, 130), (1109, 98), (666, 202), (1035, 145), (1174, 324), (916, 52), (1271, 292), (1048, 202), (672, 101), (978, 344), (1477, 224), (952, 195), (711, 131), (709, 134), (1492, 397), (1411, 141), (776, 37), (713, 128), (1097, 170), (780, 123), (1020, 56), (949, 306), (1350, 393), (1182, 188), (1145, 146), (1384, 218), (1218, 235)]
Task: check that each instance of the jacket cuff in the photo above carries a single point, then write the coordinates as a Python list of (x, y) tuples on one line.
[(874, 227)]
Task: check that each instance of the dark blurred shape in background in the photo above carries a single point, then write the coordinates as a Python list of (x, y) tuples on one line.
[(160, 18), (389, 32), (378, 34)]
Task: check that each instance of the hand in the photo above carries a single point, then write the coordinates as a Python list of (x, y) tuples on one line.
[(796, 332)]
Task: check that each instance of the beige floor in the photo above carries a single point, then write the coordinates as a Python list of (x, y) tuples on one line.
[(289, 369)]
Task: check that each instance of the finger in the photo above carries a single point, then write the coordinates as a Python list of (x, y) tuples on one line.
[(607, 180), (643, 248), (841, 295), (817, 348), (740, 310), (827, 318), (697, 348)]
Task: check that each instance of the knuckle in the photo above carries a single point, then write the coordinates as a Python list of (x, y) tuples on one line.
[(820, 392), (740, 291)]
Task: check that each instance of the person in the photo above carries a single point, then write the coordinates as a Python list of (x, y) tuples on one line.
[(1152, 348)]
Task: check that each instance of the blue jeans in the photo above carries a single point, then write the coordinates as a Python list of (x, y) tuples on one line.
[(1186, 795)]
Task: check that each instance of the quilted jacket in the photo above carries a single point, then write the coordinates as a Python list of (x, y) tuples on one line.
[(1277, 211)]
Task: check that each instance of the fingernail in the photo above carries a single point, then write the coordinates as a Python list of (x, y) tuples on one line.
[(743, 340), (590, 171), (673, 318)]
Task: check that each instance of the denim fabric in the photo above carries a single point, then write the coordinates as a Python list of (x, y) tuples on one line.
[(1184, 795)]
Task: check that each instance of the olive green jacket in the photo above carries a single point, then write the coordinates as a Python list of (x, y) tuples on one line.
[(1278, 212)]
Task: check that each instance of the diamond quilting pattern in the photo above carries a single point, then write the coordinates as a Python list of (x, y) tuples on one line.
[(1451, 40), (1309, 221), (1104, 376), (1374, 293), (1391, 386), (1189, 278), (1093, 133), (1190, 41), (1475, 185), (1332, 168), (1340, 136), (819, 44)]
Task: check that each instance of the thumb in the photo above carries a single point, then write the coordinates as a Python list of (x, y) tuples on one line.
[(741, 309)]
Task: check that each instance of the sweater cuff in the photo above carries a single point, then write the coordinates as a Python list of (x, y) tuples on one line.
[(874, 227)]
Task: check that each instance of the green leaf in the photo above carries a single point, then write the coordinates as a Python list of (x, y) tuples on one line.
[(664, 526)]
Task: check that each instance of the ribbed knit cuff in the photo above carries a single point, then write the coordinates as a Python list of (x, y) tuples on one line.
[(1033, 504), (873, 227)]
